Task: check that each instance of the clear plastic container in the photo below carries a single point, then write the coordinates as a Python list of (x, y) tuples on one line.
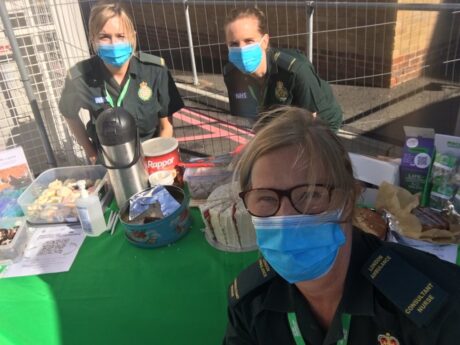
[(12, 249), (62, 212), (202, 181)]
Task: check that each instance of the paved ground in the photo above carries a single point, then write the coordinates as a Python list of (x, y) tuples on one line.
[(373, 117)]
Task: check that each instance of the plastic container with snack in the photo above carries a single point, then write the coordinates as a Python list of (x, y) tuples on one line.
[(51, 197), (13, 239), (202, 181)]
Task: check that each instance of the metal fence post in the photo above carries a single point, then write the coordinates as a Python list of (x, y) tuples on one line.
[(27, 84), (310, 11), (190, 43)]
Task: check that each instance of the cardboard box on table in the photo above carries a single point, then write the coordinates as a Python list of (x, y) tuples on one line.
[(373, 172), (447, 144), (416, 162), (445, 175)]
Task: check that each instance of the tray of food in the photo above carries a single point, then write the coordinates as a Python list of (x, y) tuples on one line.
[(51, 197)]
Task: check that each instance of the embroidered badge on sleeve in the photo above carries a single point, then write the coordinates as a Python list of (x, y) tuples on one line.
[(387, 339), (281, 93)]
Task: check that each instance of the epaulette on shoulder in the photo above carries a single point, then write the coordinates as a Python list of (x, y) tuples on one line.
[(82, 67), (417, 296), (153, 59), (284, 60), (251, 278)]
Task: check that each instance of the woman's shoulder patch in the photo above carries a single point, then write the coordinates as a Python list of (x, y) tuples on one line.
[(248, 280), (415, 294), (152, 59)]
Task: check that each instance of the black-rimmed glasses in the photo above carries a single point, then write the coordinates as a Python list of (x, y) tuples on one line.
[(306, 199)]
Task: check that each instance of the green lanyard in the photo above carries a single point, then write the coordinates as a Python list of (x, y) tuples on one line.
[(120, 98), (346, 319)]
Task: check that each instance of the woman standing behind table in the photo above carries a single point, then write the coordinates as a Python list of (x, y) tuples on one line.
[(259, 76), (115, 77), (321, 281)]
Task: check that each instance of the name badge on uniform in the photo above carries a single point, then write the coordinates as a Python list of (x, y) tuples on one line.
[(99, 100), (241, 95)]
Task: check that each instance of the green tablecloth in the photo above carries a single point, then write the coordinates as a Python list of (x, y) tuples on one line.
[(116, 293)]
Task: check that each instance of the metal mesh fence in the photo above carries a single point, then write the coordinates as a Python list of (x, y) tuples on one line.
[(37, 30), (387, 67)]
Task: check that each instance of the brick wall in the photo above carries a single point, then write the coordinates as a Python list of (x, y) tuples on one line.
[(420, 39)]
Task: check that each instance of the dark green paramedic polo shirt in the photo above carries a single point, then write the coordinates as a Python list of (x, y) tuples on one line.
[(412, 298), (151, 92), (290, 80)]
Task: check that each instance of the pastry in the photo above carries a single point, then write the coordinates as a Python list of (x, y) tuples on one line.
[(56, 184), (370, 221), (56, 203)]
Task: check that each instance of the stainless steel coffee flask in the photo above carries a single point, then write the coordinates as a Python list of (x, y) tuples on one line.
[(121, 153)]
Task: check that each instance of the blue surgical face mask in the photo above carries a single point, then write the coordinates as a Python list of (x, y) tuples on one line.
[(115, 54), (300, 247), (248, 58)]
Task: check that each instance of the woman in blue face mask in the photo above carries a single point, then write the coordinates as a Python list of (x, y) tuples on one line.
[(117, 76), (258, 76), (320, 281)]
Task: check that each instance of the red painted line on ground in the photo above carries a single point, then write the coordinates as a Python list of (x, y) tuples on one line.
[(203, 136), (215, 131), (225, 124)]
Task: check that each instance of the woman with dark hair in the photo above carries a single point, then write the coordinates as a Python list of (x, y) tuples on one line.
[(259, 76)]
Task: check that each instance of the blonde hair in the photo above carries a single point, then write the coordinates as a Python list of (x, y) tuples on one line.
[(101, 13), (244, 12), (316, 146)]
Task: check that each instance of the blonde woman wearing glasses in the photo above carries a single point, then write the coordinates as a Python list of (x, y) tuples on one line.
[(321, 281)]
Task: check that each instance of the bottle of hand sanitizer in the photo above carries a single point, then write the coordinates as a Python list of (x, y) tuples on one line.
[(90, 212)]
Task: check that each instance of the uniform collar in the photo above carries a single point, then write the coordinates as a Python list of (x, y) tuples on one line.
[(281, 296), (134, 67), (285, 298), (133, 72), (272, 67), (358, 298)]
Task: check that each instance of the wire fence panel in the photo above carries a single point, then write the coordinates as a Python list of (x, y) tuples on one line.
[(37, 27), (388, 67)]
